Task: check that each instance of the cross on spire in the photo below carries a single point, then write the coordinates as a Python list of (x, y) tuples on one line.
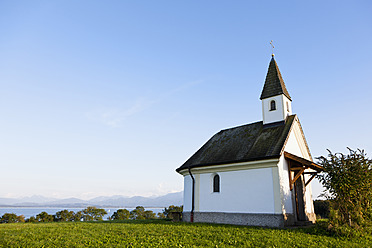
[(272, 48)]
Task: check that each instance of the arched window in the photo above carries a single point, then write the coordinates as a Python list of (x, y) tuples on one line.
[(216, 183), (272, 105)]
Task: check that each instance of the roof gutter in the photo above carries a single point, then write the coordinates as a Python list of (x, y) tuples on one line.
[(182, 170), (192, 197)]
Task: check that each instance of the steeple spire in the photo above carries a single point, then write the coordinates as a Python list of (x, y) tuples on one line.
[(276, 102), (274, 84)]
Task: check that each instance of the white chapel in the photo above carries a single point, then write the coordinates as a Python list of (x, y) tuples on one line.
[(257, 174)]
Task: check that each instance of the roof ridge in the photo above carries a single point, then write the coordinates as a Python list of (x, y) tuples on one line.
[(253, 123)]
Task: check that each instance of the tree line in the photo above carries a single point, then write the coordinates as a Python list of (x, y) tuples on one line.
[(93, 214)]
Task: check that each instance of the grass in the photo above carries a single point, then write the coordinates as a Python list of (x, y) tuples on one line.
[(158, 233)]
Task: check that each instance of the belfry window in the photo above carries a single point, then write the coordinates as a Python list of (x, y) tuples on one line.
[(216, 183), (272, 105), (287, 106)]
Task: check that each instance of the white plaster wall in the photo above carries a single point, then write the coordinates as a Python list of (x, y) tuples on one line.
[(187, 193), (243, 191), (296, 145), (292, 145), (287, 111), (308, 197), (285, 191), (281, 111)]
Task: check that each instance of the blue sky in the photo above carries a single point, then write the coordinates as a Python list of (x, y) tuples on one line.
[(110, 97)]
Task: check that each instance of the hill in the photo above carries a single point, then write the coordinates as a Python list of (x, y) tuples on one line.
[(103, 201)]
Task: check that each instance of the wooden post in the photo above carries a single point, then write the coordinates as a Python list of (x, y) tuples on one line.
[(298, 175)]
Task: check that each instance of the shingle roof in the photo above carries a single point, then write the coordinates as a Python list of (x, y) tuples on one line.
[(274, 84), (240, 144)]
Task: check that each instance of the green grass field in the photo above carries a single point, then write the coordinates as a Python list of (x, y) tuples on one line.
[(166, 234)]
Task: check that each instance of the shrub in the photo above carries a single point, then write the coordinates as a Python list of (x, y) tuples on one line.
[(348, 183)]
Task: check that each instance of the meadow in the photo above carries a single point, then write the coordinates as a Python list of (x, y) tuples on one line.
[(162, 233)]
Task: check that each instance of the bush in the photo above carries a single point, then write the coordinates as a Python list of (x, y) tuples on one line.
[(348, 181)]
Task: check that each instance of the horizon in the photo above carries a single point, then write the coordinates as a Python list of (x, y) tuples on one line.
[(87, 199), (109, 98)]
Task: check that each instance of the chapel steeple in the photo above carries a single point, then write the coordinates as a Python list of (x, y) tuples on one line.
[(276, 101), (274, 84)]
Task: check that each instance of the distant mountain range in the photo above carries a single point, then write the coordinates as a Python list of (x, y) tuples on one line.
[(102, 201)]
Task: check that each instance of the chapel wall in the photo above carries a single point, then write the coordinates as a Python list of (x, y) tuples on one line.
[(242, 191), (272, 116), (285, 191), (187, 193), (296, 145)]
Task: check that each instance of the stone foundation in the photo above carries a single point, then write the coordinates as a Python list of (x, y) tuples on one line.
[(269, 220)]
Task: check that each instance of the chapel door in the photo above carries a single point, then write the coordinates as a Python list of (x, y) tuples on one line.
[(300, 202)]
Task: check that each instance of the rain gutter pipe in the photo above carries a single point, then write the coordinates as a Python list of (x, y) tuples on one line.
[(192, 197)]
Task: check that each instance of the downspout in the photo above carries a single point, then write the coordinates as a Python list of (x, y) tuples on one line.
[(192, 197)]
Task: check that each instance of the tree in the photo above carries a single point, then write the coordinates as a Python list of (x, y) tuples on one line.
[(93, 213), (12, 218), (21, 218), (78, 216), (348, 183), (64, 215), (9, 218), (32, 219), (138, 213), (171, 209), (148, 214), (161, 215), (44, 217), (121, 214)]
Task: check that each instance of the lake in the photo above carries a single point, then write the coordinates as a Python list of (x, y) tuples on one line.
[(28, 212)]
